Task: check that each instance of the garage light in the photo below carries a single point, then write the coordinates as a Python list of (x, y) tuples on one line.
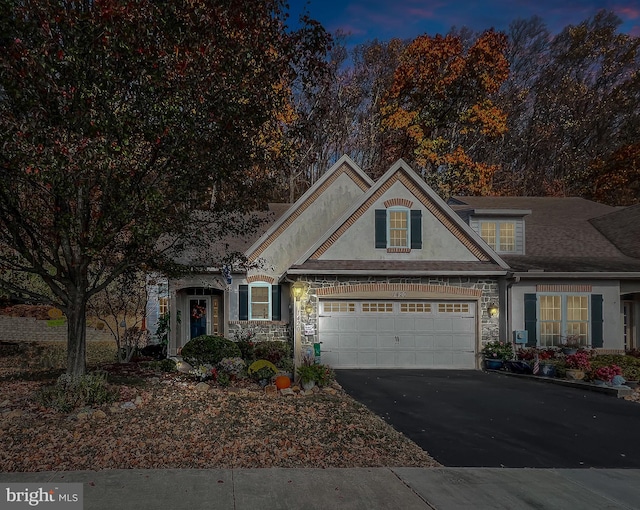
[(493, 310), (298, 290)]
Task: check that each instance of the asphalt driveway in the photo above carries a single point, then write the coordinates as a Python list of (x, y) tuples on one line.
[(478, 419)]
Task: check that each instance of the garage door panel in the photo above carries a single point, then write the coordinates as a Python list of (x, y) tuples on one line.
[(412, 334), (406, 341), (462, 343), (366, 341), (442, 341)]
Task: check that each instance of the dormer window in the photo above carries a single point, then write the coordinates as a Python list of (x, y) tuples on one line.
[(499, 234)]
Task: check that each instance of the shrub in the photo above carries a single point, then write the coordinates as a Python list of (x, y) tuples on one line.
[(208, 349), (322, 375), (69, 393), (262, 369), (274, 351)]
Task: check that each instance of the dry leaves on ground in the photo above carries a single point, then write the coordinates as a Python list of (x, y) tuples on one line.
[(167, 423)]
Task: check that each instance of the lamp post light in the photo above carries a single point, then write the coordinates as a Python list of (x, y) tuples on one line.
[(298, 289)]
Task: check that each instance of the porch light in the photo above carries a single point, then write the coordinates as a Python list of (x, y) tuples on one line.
[(298, 290), (308, 309), (493, 310)]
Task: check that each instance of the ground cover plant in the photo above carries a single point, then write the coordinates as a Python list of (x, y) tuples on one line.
[(160, 418)]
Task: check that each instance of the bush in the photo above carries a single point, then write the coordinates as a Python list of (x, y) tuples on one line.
[(274, 351), (262, 369), (630, 365), (68, 393), (208, 349)]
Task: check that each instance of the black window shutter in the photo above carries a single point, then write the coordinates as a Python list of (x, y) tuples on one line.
[(597, 337), (243, 302), (530, 319), (276, 293), (381, 228), (416, 229)]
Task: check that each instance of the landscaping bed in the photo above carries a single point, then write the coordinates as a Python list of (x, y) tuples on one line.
[(170, 420)]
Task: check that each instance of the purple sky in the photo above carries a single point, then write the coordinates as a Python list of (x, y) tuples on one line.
[(366, 20)]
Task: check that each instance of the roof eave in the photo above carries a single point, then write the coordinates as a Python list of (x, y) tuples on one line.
[(599, 275), (387, 272)]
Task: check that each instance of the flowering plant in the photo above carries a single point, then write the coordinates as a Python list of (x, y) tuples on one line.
[(231, 366), (607, 373), (498, 350), (204, 372), (578, 361)]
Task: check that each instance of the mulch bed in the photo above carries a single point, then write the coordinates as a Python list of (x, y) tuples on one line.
[(165, 421)]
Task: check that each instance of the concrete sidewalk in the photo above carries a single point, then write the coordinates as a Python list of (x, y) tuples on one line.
[(357, 489)]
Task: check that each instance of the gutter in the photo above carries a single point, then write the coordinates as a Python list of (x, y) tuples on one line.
[(537, 275), (386, 272)]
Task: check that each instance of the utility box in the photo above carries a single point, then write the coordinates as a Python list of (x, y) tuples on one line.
[(520, 337)]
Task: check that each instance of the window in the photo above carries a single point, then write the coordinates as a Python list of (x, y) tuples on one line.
[(398, 225), (377, 307), (259, 301), (398, 229), (338, 306), (500, 235), (415, 308), (562, 315), (453, 308), (163, 305)]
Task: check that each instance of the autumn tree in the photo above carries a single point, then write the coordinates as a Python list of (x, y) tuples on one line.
[(118, 120), (573, 102), (441, 106)]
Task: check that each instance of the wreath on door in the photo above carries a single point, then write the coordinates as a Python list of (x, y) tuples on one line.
[(198, 312)]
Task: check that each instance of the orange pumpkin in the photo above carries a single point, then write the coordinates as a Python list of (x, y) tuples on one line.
[(282, 382)]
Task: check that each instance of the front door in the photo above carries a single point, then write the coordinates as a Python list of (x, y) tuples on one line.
[(628, 331), (198, 313), (204, 316)]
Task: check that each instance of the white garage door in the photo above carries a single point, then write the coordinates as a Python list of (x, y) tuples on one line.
[(398, 334)]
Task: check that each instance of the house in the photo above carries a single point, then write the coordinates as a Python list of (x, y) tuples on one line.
[(386, 274)]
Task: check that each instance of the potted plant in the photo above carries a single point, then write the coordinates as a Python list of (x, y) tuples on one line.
[(570, 345), (262, 371), (577, 364), (308, 375), (495, 353), (604, 375)]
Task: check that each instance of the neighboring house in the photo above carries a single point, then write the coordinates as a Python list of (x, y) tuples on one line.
[(386, 274)]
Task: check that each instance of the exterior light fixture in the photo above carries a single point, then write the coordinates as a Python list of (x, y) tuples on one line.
[(298, 289), (308, 308), (493, 310)]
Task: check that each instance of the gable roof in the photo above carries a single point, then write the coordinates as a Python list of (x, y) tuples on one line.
[(622, 228), (560, 235), (400, 172)]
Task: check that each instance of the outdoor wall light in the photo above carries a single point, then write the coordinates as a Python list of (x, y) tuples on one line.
[(493, 310), (298, 289), (308, 309)]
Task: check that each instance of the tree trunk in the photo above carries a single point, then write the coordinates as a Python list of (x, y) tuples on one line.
[(77, 336)]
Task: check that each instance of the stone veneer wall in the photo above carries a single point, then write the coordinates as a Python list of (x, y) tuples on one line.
[(490, 328), (28, 329), (264, 330)]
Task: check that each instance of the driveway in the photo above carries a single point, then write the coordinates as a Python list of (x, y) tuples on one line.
[(477, 419)]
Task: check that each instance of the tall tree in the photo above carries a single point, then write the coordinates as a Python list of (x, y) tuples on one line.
[(441, 106), (120, 118)]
